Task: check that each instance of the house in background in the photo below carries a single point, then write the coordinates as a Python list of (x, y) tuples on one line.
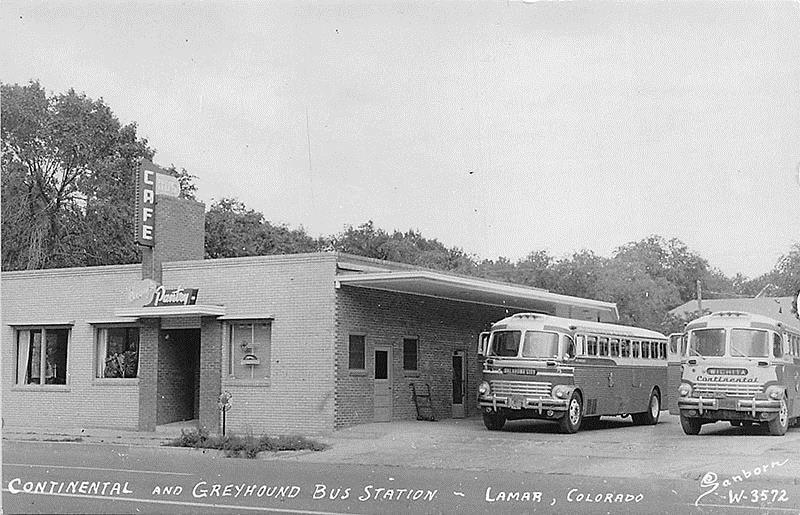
[(779, 308)]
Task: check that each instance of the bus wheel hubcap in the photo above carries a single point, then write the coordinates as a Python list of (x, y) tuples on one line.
[(574, 411), (783, 415)]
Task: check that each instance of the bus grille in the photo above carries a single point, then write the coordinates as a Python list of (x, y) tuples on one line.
[(528, 389), (707, 389)]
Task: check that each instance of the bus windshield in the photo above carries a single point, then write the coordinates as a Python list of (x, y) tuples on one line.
[(505, 343), (707, 342), (539, 344), (749, 343)]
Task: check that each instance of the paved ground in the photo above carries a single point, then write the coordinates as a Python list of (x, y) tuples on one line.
[(616, 448)]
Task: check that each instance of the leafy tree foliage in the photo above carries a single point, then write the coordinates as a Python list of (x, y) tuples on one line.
[(409, 247), (233, 230), (68, 181), (667, 259)]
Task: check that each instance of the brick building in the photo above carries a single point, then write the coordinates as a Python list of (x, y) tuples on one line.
[(305, 342)]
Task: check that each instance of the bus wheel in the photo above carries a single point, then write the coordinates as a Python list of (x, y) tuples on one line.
[(571, 421), (649, 417), (494, 421), (691, 426), (779, 425)]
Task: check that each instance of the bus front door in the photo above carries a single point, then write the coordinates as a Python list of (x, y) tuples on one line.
[(674, 371)]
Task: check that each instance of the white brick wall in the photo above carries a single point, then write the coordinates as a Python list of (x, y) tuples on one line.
[(78, 295), (298, 292)]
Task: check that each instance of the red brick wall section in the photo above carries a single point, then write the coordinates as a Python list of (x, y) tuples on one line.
[(179, 234), (442, 327), (148, 373), (210, 373)]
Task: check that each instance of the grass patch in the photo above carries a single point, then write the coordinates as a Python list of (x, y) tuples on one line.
[(247, 446)]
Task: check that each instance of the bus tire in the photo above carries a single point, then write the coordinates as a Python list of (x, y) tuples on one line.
[(779, 424), (649, 417), (494, 421), (571, 421), (691, 426)]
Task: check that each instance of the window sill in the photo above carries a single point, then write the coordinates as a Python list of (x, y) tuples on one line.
[(358, 373), (411, 373), (245, 383), (41, 388), (109, 381)]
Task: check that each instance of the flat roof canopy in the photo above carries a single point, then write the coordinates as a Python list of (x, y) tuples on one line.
[(479, 291), (194, 310)]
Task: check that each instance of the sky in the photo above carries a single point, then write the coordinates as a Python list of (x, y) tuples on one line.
[(501, 128)]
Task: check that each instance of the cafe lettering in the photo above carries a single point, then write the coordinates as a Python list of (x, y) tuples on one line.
[(146, 202)]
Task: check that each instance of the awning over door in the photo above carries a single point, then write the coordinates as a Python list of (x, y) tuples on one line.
[(193, 310)]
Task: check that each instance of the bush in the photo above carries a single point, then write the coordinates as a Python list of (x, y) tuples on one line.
[(244, 446)]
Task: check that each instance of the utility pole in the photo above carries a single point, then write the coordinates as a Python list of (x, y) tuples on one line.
[(699, 296)]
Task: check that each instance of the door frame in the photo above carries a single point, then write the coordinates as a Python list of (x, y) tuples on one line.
[(460, 410), (386, 382)]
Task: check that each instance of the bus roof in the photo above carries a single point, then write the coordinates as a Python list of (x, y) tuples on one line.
[(525, 320), (737, 318)]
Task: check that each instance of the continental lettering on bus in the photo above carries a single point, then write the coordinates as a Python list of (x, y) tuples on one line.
[(742, 368), (570, 371)]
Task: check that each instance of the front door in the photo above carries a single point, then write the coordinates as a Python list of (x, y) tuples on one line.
[(459, 383), (676, 348), (383, 384)]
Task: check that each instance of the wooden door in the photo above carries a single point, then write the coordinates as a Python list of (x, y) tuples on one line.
[(459, 383), (383, 384)]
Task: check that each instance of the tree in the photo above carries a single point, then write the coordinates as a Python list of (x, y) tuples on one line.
[(409, 247), (68, 180), (579, 275), (668, 259), (642, 300), (233, 230)]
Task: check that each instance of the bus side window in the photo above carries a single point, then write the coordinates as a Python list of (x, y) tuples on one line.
[(569, 347), (625, 348), (646, 350), (663, 350), (591, 345), (604, 346), (636, 346), (684, 339), (777, 345), (580, 345), (614, 347)]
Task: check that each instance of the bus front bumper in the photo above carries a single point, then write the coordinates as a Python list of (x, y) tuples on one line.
[(519, 402), (710, 406)]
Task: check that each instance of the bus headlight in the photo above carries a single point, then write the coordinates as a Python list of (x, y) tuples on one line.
[(484, 389), (561, 391), (685, 389), (774, 393)]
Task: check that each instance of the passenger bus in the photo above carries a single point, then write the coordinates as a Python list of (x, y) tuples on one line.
[(570, 371), (740, 367)]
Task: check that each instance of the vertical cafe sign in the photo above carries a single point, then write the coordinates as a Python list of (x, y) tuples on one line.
[(145, 204)]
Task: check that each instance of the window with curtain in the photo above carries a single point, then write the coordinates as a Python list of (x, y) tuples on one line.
[(117, 352), (42, 355)]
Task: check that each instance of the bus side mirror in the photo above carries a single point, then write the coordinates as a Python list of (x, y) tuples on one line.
[(483, 344)]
